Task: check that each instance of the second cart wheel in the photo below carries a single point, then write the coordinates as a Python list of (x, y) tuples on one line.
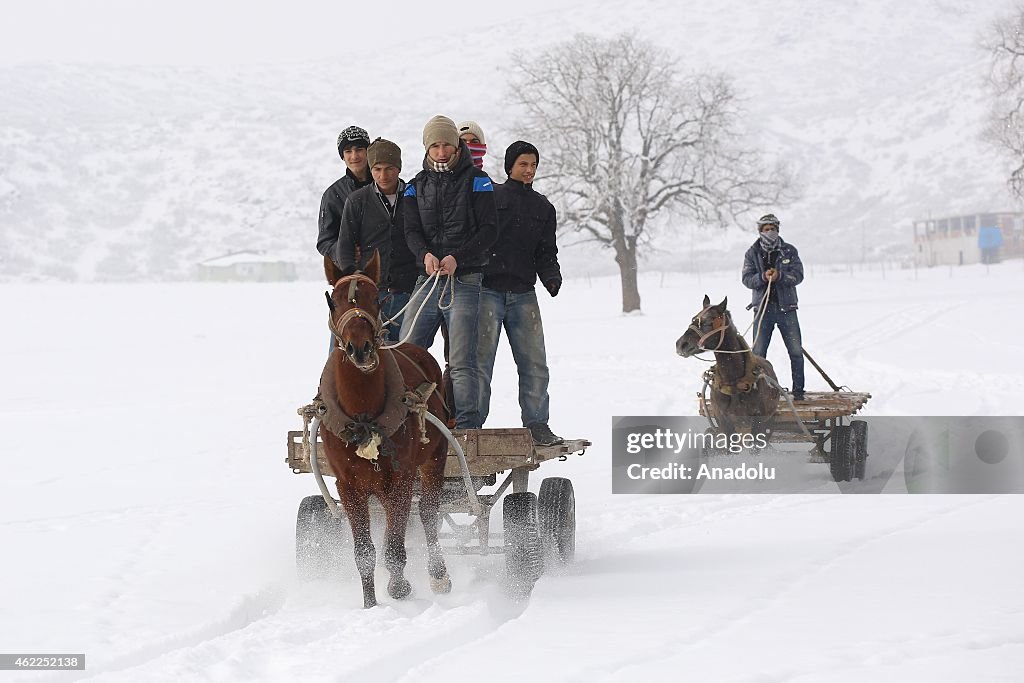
[(557, 512), (843, 457), (860, 439), (320, 540), (523, 550)]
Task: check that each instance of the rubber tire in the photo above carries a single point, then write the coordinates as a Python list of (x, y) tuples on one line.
[(524, 554), (843, 457), (320, 540), (557, 513), (860, 438)]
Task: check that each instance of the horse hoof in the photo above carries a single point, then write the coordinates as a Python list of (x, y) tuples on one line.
[(369, 603), (442, 585), (399, 589)]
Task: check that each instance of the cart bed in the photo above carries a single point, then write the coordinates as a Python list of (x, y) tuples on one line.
[(488, 451)]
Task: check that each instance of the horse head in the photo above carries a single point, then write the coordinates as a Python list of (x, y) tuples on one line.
[(707, 329), (354, 316)]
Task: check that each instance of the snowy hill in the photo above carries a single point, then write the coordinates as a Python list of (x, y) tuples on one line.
[(116, 172)]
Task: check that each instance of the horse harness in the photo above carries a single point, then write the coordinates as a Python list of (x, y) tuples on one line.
[(744, 384), (355, 312), (371, 434), (726, 321)]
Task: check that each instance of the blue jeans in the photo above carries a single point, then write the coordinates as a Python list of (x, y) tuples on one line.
[(789, 328), (461, 317), (520, 315), (390, 304)]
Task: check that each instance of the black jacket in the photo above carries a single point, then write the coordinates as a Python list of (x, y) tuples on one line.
[(526, 240), (331, 206), (791, 273), (367, 224), (451, 213)]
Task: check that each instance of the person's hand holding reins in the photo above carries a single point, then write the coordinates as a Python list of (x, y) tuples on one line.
[(448, 265), (430, 264)]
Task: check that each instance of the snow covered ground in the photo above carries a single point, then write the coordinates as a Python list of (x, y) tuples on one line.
[(147, 515)]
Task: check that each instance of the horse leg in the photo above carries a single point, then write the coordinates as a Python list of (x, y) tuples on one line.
[(431, 480), (357, 507), (758, 427), (396, 508)]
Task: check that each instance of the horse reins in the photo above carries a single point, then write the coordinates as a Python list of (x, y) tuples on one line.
[(726, 321), (355, 312)]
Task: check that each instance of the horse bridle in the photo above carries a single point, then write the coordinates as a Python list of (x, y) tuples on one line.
[(355, 312), (726, 321)]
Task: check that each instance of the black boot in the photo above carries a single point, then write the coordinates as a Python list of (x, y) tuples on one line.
[(543, 436)]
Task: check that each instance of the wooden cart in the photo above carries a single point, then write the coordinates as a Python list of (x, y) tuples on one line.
[(534, 526), (821, 419)]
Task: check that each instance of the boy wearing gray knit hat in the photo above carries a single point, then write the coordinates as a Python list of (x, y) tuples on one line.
[(373, 221), (450, 224)]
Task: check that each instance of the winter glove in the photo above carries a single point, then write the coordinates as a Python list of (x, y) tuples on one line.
[(553, 286)]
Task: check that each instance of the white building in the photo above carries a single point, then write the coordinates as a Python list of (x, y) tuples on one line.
[(966, 239), (246, 266)]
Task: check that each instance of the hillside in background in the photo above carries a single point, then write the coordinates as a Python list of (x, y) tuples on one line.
[(116, 172)]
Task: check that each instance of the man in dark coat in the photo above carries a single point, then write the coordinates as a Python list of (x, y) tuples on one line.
[(525, 249), (773, 266), (450, 225), (352, 144), (373, 220)]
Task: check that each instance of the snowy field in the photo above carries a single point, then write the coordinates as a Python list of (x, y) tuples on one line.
[(147, 515)]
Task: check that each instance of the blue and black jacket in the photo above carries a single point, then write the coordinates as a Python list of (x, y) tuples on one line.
[(451, 213), (791, 273)]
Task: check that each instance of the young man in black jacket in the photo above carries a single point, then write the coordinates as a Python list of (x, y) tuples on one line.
[(525, 249), (372, 220), (771, 261), (450, 225), (352, 144)]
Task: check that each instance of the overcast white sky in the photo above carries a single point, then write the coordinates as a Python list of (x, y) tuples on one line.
[(217, 32), (230, 31)]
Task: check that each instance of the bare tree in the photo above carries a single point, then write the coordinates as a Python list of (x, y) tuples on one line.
[(1004, 42), (628, 138)]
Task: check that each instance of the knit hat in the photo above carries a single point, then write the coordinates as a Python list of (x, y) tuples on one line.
[(384, 152), (767, 219), (440, 129), (473, 128), (517, 149), (353, 136)]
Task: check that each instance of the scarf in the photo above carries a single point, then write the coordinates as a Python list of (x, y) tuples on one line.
[(767, 244), (444, 166), (477, 151)]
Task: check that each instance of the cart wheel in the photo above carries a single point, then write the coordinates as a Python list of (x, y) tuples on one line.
[(557, 508), (523, 552), (860, 438), (843, 458), (320, 540)]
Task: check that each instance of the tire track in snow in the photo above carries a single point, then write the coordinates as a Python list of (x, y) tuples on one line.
[(703, 633), (401, 665), (252, 608)]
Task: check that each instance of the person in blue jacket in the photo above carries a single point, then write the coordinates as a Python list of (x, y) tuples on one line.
[(773, 266), (450, 224)]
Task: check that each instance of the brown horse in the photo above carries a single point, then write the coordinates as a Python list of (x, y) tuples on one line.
[(373, 441), (740, 393)]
